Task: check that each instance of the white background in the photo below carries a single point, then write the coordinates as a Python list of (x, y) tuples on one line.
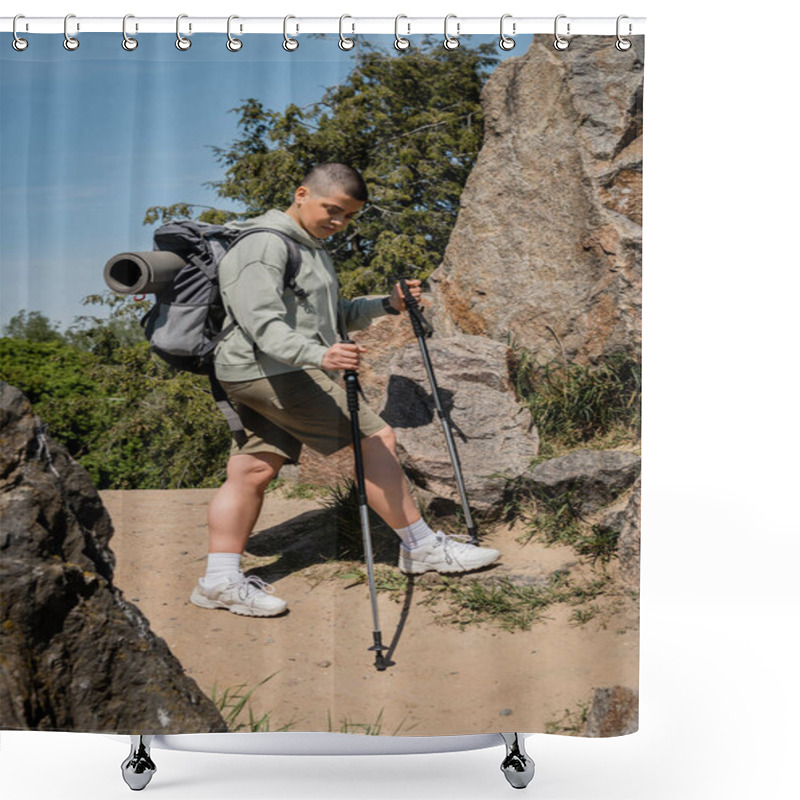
[(719, 707)]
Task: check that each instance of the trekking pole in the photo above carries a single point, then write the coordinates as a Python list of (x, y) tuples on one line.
[(423, 329), (352, 388)]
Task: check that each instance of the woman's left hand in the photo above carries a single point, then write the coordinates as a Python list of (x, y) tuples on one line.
[(398, 301)]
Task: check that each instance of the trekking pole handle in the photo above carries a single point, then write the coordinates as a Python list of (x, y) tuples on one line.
[(411, 301), (351, 385), (414, 311), (351, 388)]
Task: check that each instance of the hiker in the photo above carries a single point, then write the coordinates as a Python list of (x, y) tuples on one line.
[(277, 367)]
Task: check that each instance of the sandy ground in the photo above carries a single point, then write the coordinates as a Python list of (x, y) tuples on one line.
[(444, 680)]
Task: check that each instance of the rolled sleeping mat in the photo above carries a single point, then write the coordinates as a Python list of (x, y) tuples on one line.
[(142, 273)]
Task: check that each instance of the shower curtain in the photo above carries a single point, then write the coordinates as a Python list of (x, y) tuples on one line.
[(509, 183)]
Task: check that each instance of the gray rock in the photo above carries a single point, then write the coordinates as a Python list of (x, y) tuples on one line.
[(493, 432), (630, 538), (74, 654), (586, 479), (624, 518), (614, 712), (547, 245)]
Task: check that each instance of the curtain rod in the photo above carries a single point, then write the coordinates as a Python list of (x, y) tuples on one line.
[(404, 25)]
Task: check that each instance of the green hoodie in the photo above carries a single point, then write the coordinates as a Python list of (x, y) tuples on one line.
[(275, 331)]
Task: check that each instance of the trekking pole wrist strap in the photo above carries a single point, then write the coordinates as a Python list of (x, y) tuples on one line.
[(352, 385), (420, 325), (388, 307)]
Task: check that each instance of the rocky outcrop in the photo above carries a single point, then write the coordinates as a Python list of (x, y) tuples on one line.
[(546, 253), (493, 434), (630, 538), (586, 480), (614, 712), (547, 246), (74, 654), (624, 519)]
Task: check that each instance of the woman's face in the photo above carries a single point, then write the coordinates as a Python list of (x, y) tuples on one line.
[(324, 216)]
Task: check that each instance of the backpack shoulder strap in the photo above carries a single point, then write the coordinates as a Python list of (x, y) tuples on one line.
[(224, 404), (293, 262)]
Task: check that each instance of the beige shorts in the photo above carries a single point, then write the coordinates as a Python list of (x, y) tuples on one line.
[(283, 412)]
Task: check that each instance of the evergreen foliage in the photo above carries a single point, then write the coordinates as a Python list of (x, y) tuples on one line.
[(573, 403), (131, 421), (411, 124), (33, 326)]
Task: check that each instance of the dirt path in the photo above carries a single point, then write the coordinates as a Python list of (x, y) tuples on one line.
[(445, 680)]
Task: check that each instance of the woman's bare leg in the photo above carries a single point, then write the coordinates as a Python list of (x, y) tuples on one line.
[(235, 507), (388, 493)]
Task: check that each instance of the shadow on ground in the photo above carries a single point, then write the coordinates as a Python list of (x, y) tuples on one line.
[(318, 537)]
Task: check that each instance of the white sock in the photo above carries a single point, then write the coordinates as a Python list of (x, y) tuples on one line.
[(418, 534), (221, 566)]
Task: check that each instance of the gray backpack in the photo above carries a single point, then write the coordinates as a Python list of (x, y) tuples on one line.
[(185, 323)]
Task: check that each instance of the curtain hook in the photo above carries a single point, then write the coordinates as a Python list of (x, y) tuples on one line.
[(182, 43), (233, 44), (18, 44), (507, 42), (451, 42), (623, 44), (344, 42), (70, 42), (400, 42), (128, 42), (289, 44), (560, 43)]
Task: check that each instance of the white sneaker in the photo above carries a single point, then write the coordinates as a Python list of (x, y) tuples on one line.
[(446, 554), (248, 596)]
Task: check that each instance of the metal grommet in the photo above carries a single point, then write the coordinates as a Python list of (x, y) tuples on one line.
[(70, 42), (19, 44), (289, 44), (344, 42), (560, 43), (506, 42), (623, 44), (182, 43), (128, 42), (233, 44), (400, 42), (451, 42)]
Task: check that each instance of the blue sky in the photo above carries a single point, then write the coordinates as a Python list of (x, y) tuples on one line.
[(90, 139)]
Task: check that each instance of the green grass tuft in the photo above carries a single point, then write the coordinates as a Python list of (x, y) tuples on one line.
[(305, 491), (367, 728), (344, 514), (570, 723), (599, 545), (510, 606), (233, 701), (572, 403)]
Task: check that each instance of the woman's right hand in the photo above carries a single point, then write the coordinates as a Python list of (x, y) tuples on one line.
[(343, 356)]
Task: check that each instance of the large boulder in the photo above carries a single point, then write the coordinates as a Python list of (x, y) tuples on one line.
[(547, 245), (74, 654), (586, 480), (493, 433), (614, 712), (624, 518)]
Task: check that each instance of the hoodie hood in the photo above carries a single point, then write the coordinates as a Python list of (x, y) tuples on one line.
[(281, 221)]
